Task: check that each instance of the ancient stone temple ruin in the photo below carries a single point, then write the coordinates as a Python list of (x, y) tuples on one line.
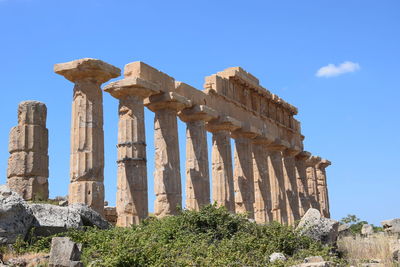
[(266, 174), (28, 164)]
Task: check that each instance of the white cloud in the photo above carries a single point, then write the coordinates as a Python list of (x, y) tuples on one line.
[(332, 70)]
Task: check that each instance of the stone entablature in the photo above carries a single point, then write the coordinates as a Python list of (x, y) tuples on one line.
[(270, 177)]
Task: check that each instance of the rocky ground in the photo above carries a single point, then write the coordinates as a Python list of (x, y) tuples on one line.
[(21, 221)]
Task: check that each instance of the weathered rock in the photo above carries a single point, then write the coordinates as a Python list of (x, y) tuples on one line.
[(64, 252), (89, 216), (391, 226), (52, 219), (313, 259), (396, 255), (276, 256), (367, 229), (319, 228), (344, 230), (15, 216)]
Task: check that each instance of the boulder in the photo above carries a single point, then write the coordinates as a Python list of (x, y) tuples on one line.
[(367, 229), (15, 216), (391, 226), (344, 230), (318, 228), (64, 252), (277, 257), (52, 219), (313, 259), (89, 216)]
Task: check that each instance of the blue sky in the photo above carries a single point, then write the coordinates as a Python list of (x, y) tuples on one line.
[(350, 119)]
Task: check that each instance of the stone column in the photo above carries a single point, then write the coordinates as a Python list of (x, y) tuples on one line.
[(312, 181), (302, 185), (222, 173), (262, 183), (322, 187), (28, 164), (197, 174), (292, 196), (243, 172), (132, 200), (167, 176), (278, 192), (87, 137)]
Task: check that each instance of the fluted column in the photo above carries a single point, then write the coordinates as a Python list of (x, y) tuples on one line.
[(167, 176), (132, 200), (28, 164), (292, 196), (197, 174), (87, 137), (262, 183), (312, 181), (278, 192), (302, 186), (222, 173), (243, 173), (322, 187)]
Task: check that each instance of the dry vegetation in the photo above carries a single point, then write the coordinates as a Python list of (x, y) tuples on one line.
[(357, 249), (33, 259)]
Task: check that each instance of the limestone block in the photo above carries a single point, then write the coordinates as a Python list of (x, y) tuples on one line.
[(88, 192), (87, 68), (28, 138), (32, 113), (30, 188), (27, 164), (27, 170), (312, 181), (132, 86), (63, 252)]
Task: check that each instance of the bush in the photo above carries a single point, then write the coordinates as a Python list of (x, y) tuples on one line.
[(211, 237), (356, 224)]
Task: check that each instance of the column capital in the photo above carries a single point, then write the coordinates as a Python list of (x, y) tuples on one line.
[(92, 69), (313, 161), (278, 145), (291, 152), (198, 113), (167, 100), (303, 155), (223, 123), (246, 131), (323, 164), (132, 87)]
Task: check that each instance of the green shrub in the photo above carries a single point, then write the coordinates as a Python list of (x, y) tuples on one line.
[(211, 237)]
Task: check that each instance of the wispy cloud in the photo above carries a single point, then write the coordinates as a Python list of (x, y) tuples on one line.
[(332, 70)]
